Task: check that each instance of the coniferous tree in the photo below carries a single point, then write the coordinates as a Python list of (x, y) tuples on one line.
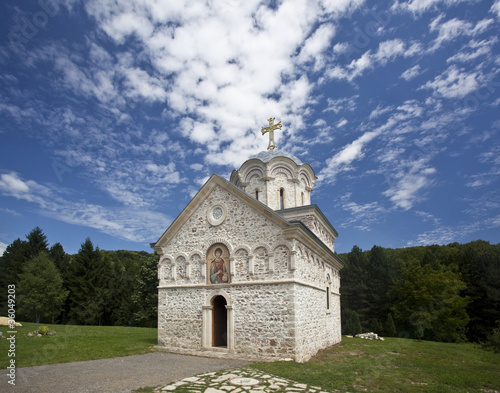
[(353, 326), (390, 328), (11, 265), (355, 292), (89, 278), (37, 242)]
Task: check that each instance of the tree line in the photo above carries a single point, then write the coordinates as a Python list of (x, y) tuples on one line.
[(447, 293), (92, 287)]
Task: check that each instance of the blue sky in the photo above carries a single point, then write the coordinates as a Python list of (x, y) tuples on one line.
[(114, 113)]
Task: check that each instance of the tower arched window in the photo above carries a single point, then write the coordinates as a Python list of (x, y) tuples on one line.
[(282, 198)]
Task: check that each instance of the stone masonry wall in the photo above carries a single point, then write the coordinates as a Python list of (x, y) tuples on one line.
[(264, 319), (317, 327)]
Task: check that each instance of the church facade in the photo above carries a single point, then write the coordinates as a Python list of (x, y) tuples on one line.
[(249, 268)]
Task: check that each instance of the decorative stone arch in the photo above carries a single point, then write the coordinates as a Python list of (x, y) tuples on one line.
[(261, 245), (254, 172), (212, 241), (282, 168), (200, 269), (304, 178), (184, 271), (275, 254), (268, 256), (210, 316), (162, 267), (246, 265)]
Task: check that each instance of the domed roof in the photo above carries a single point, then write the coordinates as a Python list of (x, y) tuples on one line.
[(268, 155)]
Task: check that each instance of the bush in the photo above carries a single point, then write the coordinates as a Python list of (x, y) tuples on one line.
[(493, 341), (43, 330)]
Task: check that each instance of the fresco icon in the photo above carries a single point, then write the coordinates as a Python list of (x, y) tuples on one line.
[(218, 264)]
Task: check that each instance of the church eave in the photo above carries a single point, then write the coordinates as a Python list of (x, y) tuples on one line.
[(308, 208), (300, 232)]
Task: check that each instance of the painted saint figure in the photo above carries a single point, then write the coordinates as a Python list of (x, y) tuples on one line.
[(218, 271)]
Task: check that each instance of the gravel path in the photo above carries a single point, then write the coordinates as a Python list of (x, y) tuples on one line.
[(123, 374)]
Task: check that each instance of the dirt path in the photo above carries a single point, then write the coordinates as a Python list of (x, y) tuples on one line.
[(115, 375)]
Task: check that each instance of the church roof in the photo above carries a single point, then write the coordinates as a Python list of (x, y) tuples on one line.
[(268, 155)]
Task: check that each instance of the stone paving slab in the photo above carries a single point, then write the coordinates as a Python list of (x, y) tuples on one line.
[(244, 380)]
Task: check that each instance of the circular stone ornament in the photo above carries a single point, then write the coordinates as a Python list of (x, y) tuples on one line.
[(244, 381), (217, 213)]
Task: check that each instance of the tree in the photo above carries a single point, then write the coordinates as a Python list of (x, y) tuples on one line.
[(355, 291), (427, 303), (11, 265), (479, 263), (37, 242), (389, 327), (353, 326), (89, 278), (40, 291), (145, 295)]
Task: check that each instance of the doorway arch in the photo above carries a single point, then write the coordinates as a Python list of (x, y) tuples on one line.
[(218, 322)]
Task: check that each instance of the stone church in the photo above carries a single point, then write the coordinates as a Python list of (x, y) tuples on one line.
[(248, 268)]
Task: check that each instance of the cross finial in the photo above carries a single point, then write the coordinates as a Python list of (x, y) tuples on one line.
[(271, 129)]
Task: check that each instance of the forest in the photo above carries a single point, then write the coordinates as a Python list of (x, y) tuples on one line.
[(92, 287), (447, 293)]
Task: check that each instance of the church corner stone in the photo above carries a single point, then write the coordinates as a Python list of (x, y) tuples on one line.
[(240, 272)]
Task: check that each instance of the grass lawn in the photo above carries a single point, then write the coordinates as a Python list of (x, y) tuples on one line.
[(75, 343), (396, 365)]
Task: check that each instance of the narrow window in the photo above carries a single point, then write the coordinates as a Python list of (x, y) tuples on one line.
[(302, 198), (282, 204), (327, 298), (257, 194)]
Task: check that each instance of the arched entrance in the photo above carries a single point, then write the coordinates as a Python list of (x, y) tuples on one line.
[(219, 322)]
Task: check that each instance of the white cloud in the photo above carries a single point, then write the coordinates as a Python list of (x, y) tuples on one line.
[(454, 83), (341, 161), (133, 223), (454, 28), (420, 6), (411, 73), (224, 62), (3, 247), (495, 8), (362, 216), (341, 104), (387, 51), (473, 50), (407, 189)]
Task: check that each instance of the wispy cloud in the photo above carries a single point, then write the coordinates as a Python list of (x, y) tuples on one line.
[(454, 83), (134, 224), (387, 52), (362, 216), (454, 28), (417, 7), (411, 73)]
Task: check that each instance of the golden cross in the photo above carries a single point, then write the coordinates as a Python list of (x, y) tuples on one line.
[(271, 129)]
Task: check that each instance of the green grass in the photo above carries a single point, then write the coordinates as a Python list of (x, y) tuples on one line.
[(396, 365), (75, 343)]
